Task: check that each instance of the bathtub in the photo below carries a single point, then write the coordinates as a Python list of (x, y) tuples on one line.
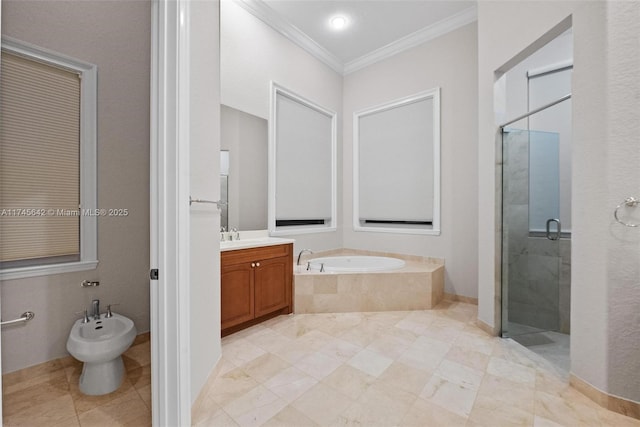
[(355, 264), (354, 282)]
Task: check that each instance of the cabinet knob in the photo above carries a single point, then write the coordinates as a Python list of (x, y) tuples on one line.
[(253, 264), (257, 264)]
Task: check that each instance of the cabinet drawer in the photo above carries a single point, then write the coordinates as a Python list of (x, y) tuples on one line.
[(255, 254)]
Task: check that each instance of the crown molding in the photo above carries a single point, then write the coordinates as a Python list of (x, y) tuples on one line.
[(266, 14), (438, 29), (262, 11)]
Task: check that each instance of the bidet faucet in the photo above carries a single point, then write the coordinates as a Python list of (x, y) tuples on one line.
[(300, 254), (96, 309)]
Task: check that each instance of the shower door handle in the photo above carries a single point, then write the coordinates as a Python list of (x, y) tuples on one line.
[(557, 233)]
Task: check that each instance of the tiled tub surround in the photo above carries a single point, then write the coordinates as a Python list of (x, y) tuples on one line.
[(418, 285), (48, 394)]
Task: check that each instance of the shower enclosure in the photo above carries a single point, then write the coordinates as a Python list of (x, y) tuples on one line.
[(535, 236)]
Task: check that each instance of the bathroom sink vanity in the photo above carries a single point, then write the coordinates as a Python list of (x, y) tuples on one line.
[(256, 282)]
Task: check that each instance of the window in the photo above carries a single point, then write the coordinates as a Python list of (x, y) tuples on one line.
[(48, 215), (302, 165), (396, 155)]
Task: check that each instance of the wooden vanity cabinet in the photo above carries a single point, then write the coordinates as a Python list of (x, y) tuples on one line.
[(256, 283)]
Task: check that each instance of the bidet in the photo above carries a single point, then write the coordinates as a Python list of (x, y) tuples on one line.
[(100, 343)]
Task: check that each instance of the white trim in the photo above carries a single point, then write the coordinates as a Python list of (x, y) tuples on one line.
[(266, 14), (276, 89), (551, 68), (435, 228), (170, 362), (88, 156), (412, 40), (46, 270), (262, 11)]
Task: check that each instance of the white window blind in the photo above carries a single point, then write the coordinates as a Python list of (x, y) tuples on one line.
[(396, 165), (303, 161), (39, 160)]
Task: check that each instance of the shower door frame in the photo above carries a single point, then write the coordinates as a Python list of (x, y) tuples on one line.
[(504, 318)]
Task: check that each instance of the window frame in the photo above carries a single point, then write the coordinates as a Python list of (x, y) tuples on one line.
[(399, 228), (88, 159)]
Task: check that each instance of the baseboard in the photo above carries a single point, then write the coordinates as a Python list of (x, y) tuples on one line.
[(491, 330), (460, 298), (612, 403)]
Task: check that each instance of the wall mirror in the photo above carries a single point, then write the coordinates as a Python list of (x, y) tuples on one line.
[(397, 166), (302, 165), (243, 169)]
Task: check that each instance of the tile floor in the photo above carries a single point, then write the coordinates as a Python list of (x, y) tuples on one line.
[(414, 368), (48, 394)]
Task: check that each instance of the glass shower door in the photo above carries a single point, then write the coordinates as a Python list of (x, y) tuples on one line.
[(531, 231)]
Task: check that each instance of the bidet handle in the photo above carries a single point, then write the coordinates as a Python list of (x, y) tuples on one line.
[(109, 313), (86, 315)]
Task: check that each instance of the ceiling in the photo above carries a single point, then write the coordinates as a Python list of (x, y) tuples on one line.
[(376, 27)]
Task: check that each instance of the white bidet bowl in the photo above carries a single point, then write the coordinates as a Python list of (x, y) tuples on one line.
[(100, 344)]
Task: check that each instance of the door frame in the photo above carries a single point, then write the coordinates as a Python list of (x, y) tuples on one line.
[(169, 214)]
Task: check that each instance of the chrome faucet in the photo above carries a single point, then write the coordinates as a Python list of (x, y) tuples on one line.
[(96, 309), (234, 234), (300, 254), (222, 231)]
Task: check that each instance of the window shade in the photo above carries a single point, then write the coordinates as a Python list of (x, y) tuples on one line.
[(303, 159), (396, 177), (39, 160)]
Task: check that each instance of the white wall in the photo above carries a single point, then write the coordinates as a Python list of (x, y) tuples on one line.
[(450, 62), (204, 140), (605, 256), (252, 55), (117, 40)]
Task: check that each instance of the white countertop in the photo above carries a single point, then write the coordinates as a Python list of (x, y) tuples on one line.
[(252, 239)]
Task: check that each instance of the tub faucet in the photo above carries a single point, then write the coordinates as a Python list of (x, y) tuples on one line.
[(300, 254), (96, 309)]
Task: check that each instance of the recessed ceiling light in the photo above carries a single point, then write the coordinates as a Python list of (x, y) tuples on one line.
[(338, 22)]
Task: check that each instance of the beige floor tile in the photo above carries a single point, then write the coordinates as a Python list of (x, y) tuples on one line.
[(509, 393), (370, 362), (241, 351), (231, 386), (539, 421), (423, 413), (318, 365), (380, 405), (349, 381), (340, 349), (265, 367), (55, 411), (41, 393), (254, 398), (512, 371), (217, 418), (84, 402), (488, 411), (27, 377), (391, 346), (565, 412), (126, 410), (610, 418), (137, 356), (289, 417), (465, 356), (406, 378), (259, 415), (145, 395), (425, 353), (460, 374), (449, 395), (140, 377), (291, 391), (322, 404)]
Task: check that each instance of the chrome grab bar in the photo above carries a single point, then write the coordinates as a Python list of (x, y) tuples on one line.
[(25, 317), (557, 235)]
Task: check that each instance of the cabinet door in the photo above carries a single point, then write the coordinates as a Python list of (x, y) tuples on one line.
[(237, 302), (272, 285)]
